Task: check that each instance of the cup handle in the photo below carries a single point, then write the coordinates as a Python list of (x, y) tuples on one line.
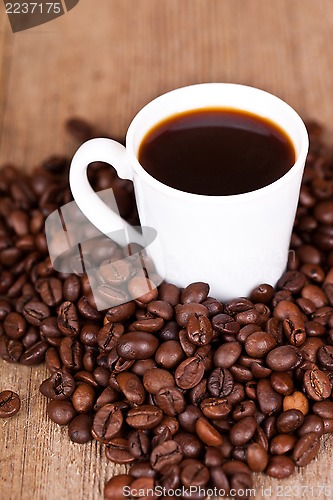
[(101, 216)]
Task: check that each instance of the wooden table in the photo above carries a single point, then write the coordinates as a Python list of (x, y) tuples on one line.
[(103, 61)]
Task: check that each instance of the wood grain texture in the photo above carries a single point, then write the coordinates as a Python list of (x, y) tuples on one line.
[(104, 60)]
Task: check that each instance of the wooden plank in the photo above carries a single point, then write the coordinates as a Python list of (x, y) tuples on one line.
[(103, 61)]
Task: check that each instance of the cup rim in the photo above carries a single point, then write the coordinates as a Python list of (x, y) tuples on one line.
[(195, 197)]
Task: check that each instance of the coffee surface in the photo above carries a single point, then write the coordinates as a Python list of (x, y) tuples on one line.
[(216, 151)]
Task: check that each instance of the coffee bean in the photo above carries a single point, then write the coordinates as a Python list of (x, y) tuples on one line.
[(189, 373), (280, 467), (215, 407), (199, 330), (144, 417), (36, 312), (282, 444), (170, 400), (132, 388), (14, 325), (107, 423), (50, 291), (68, 321), (83, 398), (283, 358), (195, 292), (296, 401), (256, 457), (114, 488), (72, 288), (137, 345), (61, 412), (227, 354), (10, 404), (243, 431), (166, 454), (185, 311), (188, 418), (196, 475), (169, 354), (34, 354), (312, 423), (289, 420), (225, 323), (270, 402), (118, 451), (207, 433), (155, 379), (317, 384), (324, 409), (306, 449), (259, 344), (79, 429), (220, 382)]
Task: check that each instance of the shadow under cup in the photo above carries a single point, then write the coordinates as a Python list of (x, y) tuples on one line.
[(232, 242)]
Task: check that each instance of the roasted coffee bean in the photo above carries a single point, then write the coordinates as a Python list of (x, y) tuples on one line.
[(190, 445), (296, 401), (34, 354), (114, 488), (61, 412), (170, 400), (259, 344), (14, 325), (169, 354), (50, 291), (109, 335), (107, 422), (195, 474), (312, 423), (10, 404), (256, 457), (121, 312), (72, 288), (132, 388), (289, 421), (60, 385), (246, 408), (79, 429), (36, 312), (166, 454), (144, 417), (270, 402), (139, 444), (189, 373), (87, 311), (282, 444), (325, 356), (283, 358), (324, 409), (317, 384), (137, 345), (243, 431), (195, 292), (207, 433), (118, 451), (188, 418), (306, 449), (199, 330), (220, 382), (280, 467), (215, 407), (149, 325), (83, 398), (71, 353), (161, 308), (68, 321), (185, 311), (224, 323), (155, 379), (142, 289), (227, 354)]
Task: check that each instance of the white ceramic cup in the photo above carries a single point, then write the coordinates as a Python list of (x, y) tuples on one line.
[(235, 242)]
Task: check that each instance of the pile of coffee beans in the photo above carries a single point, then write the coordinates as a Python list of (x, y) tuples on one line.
[(184, 389)]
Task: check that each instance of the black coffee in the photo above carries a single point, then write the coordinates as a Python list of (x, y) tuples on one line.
[(216, 151)]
